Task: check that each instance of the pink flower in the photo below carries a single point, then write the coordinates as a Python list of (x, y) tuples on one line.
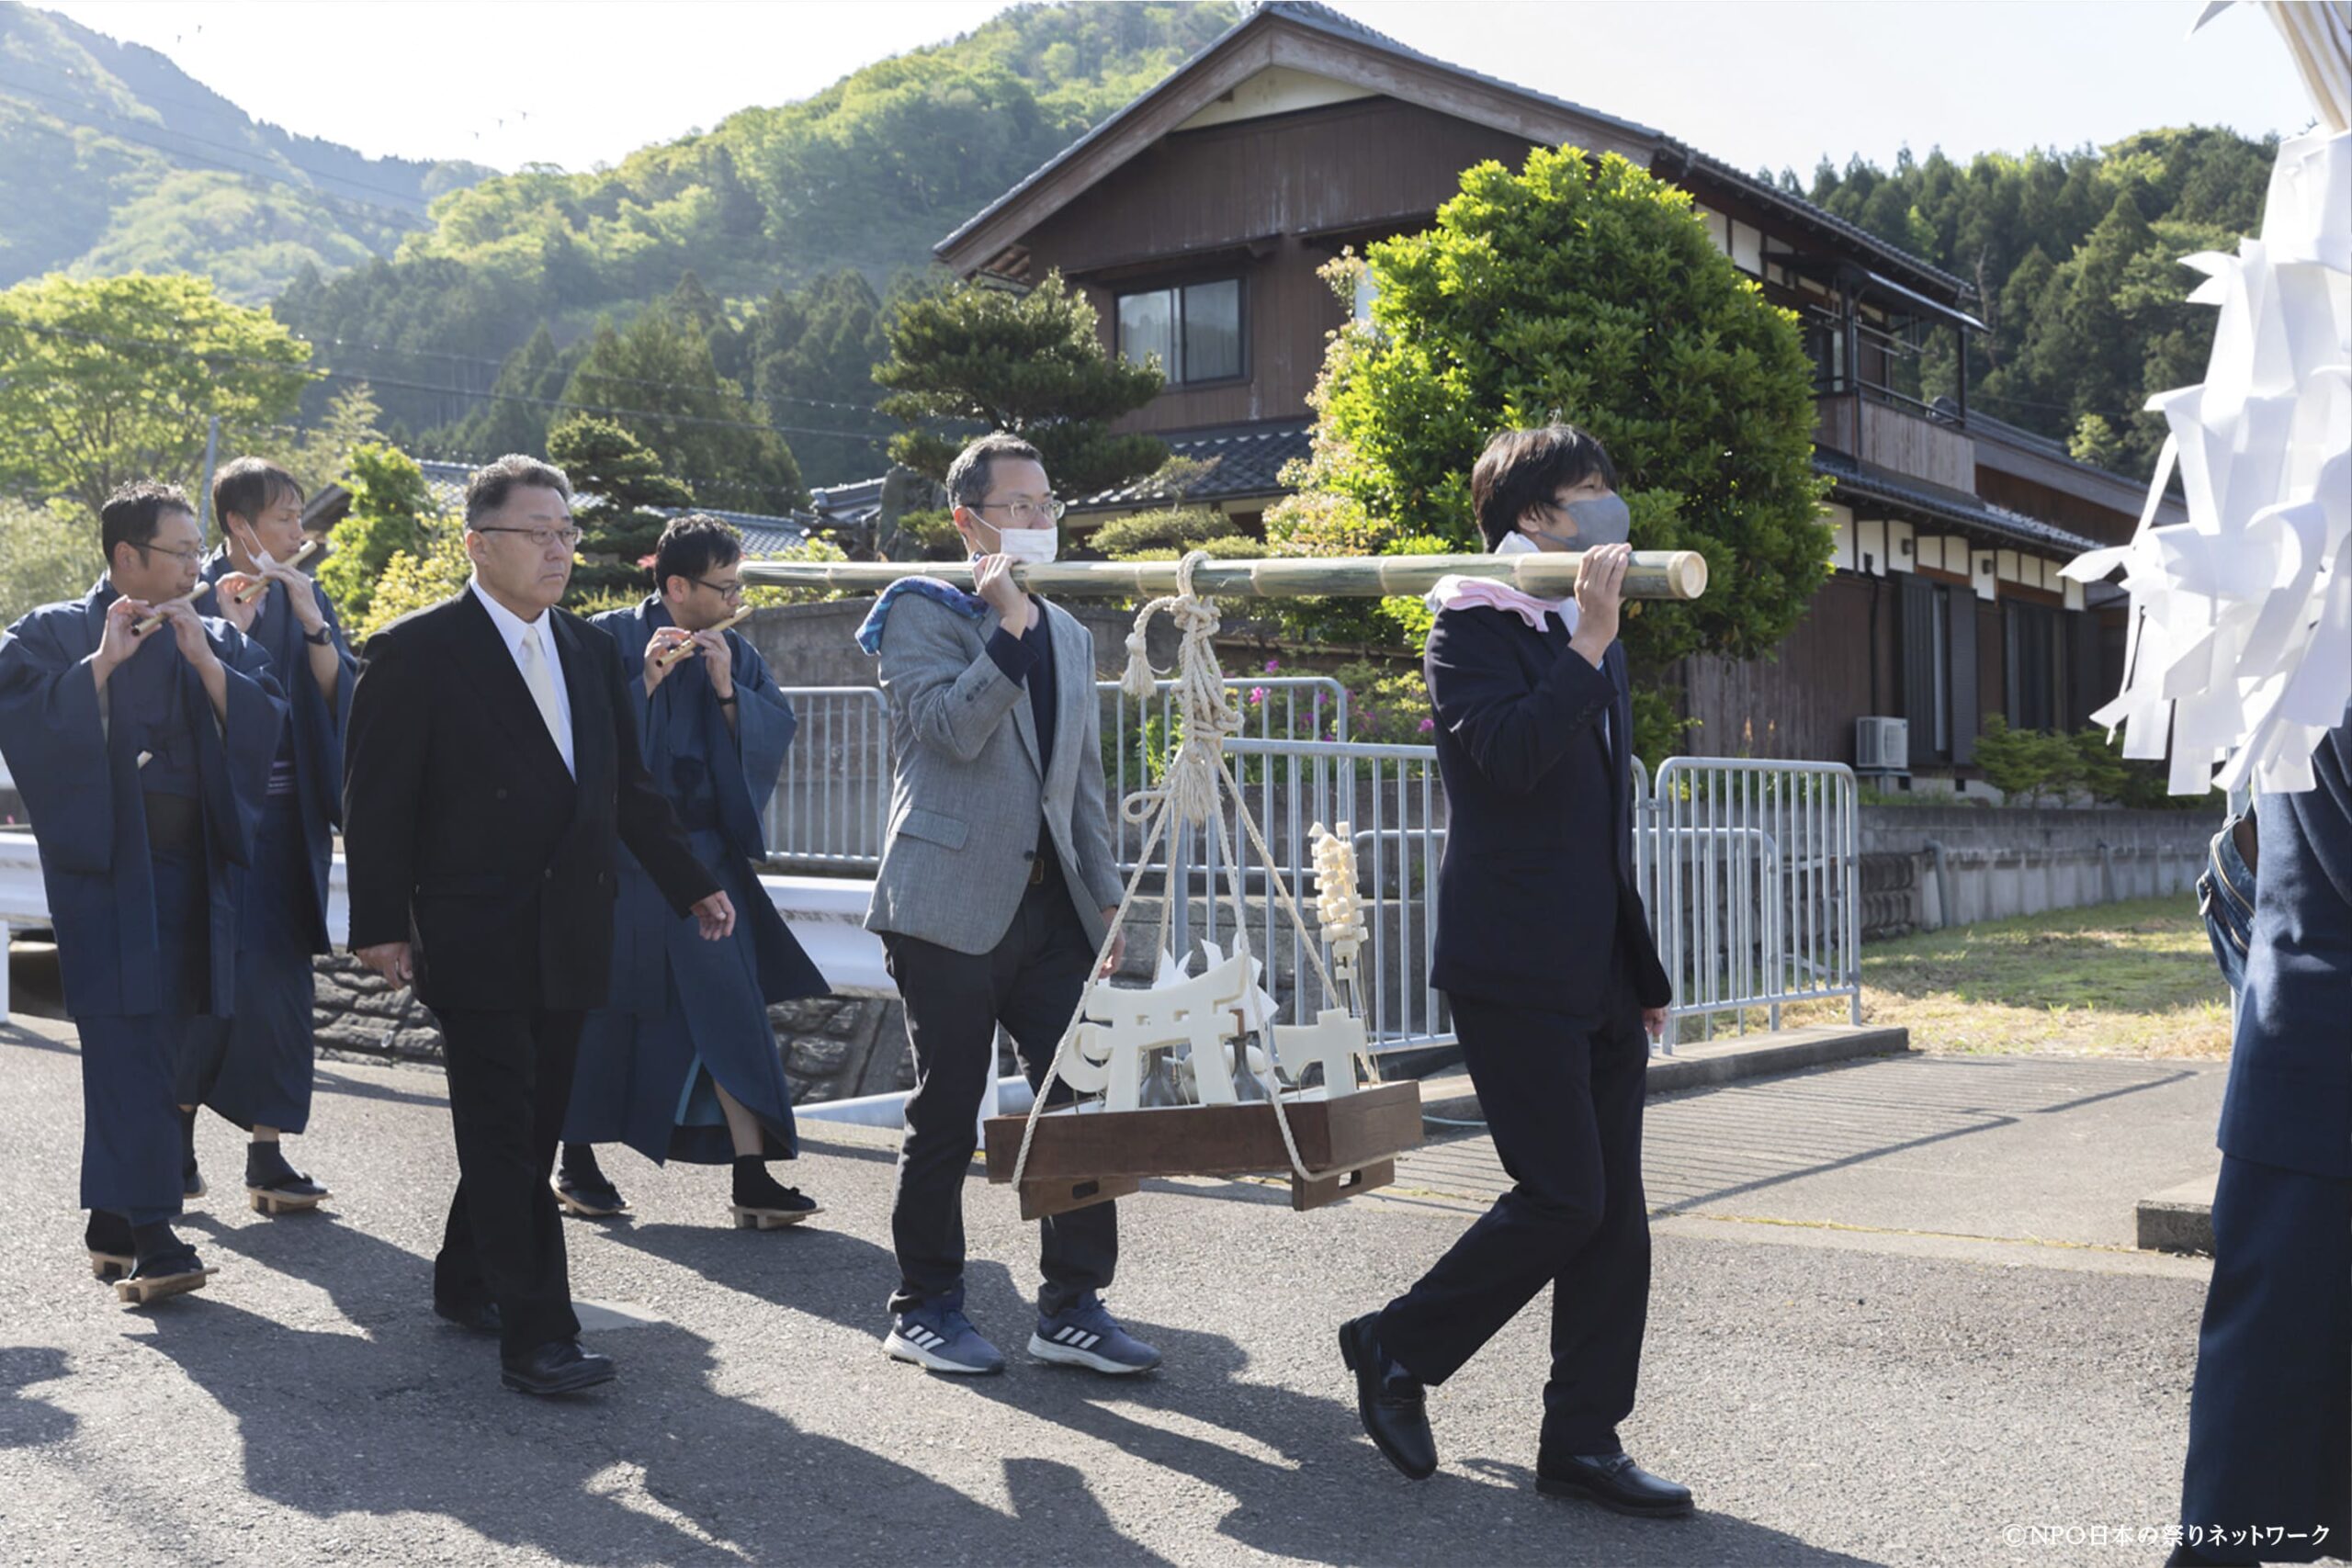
[(1274, 666), (1428, 725), (1257, 696)]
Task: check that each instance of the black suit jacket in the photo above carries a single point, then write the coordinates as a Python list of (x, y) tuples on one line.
[(464, 834), (1535, 895), (2289, 1100)]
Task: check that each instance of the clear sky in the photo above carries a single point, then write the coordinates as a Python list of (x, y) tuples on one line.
[(1759, 82)]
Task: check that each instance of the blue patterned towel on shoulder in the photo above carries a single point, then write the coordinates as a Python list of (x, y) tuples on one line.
[(870, 631)]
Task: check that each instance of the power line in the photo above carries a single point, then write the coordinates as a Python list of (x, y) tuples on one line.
[(606, 376), (315, 374)]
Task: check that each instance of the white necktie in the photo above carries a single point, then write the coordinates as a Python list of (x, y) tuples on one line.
[(536, 676)]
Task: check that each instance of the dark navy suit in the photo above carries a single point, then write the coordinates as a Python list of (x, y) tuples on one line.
[(1546, 960), (2270, 1420)]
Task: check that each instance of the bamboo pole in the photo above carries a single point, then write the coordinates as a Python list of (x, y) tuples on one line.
[(146, 624), (679, 654), (1653, 574), (254, 590)]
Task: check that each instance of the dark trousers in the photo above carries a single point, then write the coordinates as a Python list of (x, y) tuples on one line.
[(132, 1065), (1564, 1103), (1030, 982), (510, 1079), (2270, 1415)]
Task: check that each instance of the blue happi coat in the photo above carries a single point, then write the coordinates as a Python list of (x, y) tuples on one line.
[(80, 783), (315, 729), (682, 1012)]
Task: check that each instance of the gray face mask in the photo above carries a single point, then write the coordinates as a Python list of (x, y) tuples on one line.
[(1602, 520)]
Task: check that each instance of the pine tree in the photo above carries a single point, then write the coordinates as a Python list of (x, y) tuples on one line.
[(1032, 364), (621, 500)]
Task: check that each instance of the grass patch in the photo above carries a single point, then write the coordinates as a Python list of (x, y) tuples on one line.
[(2130, 979)]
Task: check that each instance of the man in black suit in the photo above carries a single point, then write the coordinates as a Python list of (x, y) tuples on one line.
[(2268, 1477), (1546, 960), (491, 763)]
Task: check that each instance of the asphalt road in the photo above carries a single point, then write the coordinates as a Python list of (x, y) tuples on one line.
[(1842, 1369)]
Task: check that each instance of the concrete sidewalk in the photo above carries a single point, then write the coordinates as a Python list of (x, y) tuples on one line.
[(1959, 1345)]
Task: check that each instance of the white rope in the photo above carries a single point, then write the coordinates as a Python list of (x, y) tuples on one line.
[(1188, 791)]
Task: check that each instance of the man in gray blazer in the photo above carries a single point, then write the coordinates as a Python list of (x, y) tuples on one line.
[(996, 888)]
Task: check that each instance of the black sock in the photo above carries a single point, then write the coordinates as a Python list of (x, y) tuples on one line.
[(154, 1241), (752, 1183), (108, 1232), (579, 1166), (187, 1141), (265, 1163)]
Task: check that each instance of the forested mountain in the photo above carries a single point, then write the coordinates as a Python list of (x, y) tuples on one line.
[(114, 160), (2076, 258), (792, 222), (722, 296)]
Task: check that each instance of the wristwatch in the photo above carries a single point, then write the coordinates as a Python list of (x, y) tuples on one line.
[(321, 637)]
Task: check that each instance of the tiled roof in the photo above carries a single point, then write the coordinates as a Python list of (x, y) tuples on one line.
[(763, 534), (1323, 18), (1243, 461), (1951, 507)]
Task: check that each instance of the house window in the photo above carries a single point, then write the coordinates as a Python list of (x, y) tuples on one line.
[(1194, 328), (1938, 650), (2033, 668)]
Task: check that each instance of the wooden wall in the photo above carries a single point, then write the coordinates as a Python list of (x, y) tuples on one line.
[(1270, 199), (1800, 704)]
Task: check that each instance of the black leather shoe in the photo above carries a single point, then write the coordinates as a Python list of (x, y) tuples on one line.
[(1613, 1481), (559, 1366), (1392, 1407), (482, 1318)]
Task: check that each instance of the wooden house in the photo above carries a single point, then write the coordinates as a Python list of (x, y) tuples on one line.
[(1195, 218)]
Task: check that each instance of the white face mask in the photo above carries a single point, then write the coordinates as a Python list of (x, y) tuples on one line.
[(1033, 546), (1518, 544)]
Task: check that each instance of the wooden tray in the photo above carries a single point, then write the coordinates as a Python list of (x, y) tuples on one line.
[(1089, 1157)]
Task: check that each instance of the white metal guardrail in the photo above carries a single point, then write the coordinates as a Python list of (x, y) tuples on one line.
[(1754, 886), (1749, 870), (827, 915), (833, 801)]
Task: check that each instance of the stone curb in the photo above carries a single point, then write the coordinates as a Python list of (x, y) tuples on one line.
[(2179, 1219), (1701, 1065)]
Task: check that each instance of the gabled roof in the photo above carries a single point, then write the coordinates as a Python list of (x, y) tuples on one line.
[(1257, 38)]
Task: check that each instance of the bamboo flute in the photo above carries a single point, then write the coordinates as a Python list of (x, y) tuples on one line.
[(1652, 575), (253, 590), (146, 624), (679, 654)]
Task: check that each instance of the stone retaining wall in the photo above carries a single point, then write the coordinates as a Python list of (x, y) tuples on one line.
[(834, 1047)]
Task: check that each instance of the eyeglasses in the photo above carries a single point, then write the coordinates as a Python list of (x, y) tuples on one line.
[(1047, 511), (167, 550), (728, 591), (541, 538)]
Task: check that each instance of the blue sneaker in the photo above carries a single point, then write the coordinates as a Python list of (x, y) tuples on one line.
[(938, 1338), (1084, 1333)]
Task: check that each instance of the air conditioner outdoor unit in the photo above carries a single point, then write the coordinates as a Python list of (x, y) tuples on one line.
[(1882, 746)]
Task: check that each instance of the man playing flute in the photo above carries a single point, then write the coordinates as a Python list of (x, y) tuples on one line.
[(681, 1064), (144, 759), (257, 1069)]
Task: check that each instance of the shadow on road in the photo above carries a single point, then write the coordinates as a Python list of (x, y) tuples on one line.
[(1304, 1481), (27, 1422)]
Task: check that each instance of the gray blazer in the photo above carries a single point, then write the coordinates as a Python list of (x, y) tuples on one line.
[(967, 787)]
